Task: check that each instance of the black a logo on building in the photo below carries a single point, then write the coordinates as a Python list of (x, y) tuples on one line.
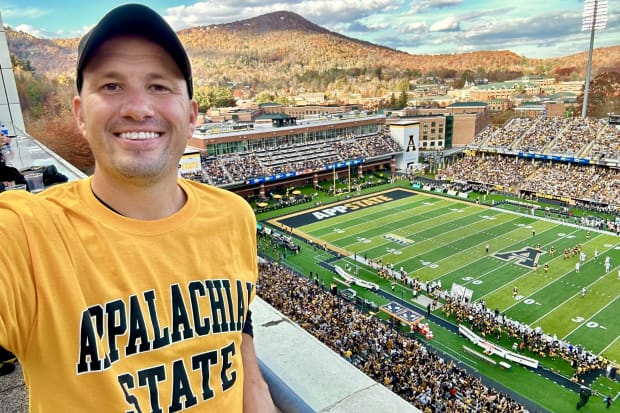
[(411, 145)]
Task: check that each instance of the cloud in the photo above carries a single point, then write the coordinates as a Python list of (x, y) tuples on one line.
[(12, 12), (533, 27), (359, 27), (326, 13), (423, 6), (542, 27), (449, 24), (417, 27), (34, 31)]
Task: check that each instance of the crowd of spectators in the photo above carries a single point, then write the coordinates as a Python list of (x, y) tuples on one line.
[(505, 171), (544, 132), (578, 137), (606, 145), (512, 131), (595, 183), (400, 362), (591, 183), (302, 157), (378, 144), (213, 171), (484, 135)]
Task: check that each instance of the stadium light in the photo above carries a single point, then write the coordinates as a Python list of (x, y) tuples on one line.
[(594, 18)]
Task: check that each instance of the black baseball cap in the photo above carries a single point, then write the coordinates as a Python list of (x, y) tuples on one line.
[(134, 19)]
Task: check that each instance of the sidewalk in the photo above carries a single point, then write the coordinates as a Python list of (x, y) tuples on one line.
[(13, 392)]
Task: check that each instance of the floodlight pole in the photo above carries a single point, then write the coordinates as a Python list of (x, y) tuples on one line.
[(599, 21), (586, 93)]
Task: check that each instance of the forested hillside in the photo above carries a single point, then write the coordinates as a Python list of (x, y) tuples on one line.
[(283, 50)]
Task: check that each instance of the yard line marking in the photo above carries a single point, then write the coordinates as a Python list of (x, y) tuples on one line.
[(590, 318), (609, 345)]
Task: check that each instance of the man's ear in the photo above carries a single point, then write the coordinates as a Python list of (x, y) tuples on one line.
[(193, 118), (79, 115)]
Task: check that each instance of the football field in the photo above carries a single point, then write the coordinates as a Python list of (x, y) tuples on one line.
[(440, 239)]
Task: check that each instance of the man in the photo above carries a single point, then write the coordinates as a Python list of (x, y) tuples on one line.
[(9, 176), (129, 291)]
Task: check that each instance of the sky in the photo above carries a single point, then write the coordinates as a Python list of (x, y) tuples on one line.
[(530, 28)]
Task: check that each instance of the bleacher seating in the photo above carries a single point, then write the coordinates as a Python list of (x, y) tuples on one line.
[(302, 158)]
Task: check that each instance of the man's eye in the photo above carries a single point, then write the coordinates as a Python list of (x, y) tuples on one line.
[(159, 88), (110, 86)]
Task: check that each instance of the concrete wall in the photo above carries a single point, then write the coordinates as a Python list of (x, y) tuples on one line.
[(10, 110)]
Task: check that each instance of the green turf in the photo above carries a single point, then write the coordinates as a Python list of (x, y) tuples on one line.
[(447, 239)]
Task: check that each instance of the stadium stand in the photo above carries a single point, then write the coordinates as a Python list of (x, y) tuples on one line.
[(400, 362), (588, 183), (237, 168)]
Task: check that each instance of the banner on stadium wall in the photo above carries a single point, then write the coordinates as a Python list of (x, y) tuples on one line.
[(407, 135), (190, 163), (541, 156), (554, 197), (270, 178), (340, 165)]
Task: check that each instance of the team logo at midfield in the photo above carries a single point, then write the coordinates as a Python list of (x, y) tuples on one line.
[(526, 257)]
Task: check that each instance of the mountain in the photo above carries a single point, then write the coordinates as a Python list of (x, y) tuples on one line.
[(283, 50)]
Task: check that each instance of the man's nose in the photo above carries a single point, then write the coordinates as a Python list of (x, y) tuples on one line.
[(137, 104)]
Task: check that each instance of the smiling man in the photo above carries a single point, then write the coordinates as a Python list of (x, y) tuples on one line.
[(130, 290)]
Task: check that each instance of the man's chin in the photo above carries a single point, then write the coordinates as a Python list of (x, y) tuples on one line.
[(141, 170)]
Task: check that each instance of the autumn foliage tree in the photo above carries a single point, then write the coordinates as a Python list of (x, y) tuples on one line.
[(47, 111), (604, 95)]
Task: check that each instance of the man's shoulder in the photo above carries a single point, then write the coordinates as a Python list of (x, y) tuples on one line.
[(210, 191), (21, 208), (65, 195), (213, 196)]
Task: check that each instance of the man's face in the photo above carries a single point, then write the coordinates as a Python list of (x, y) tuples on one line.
[(135, 111)]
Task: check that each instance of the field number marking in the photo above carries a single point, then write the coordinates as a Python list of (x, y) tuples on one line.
[(429, 264), (473, 280), (590, 324)]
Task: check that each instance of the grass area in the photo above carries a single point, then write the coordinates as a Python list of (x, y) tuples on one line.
[(443, 239)]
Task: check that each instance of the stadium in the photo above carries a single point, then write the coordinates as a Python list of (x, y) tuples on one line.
[(503, 264), (464, 275)]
